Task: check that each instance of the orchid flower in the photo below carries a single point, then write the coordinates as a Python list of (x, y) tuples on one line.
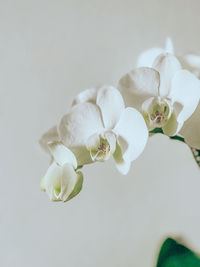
[(147, 57), (189, 61), (166, 94), (191, 128), (62, 181), (99, 126)]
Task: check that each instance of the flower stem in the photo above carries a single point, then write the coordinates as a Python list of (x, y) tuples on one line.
[(159, 130)]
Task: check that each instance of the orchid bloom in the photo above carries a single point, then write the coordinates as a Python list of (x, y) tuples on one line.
[(189, 61), (62, 181), (166, 94), (191, 128), (99, 126)]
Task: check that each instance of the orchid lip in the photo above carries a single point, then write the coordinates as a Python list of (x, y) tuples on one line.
[(157, 111)]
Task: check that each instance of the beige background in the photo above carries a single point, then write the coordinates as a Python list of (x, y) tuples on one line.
[(50, 51)]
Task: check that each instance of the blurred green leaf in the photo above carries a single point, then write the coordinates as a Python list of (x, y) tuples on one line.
[(173, 254)]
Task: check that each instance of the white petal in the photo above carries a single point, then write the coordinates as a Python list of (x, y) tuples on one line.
[(111, 138), (147, 104), (93, 141), (171, 126), (139, 85), (50, 136), (92, 145), (77, 126), (88, 95), (122, 165), (69, 181), (192, 60), (167, 65), (147, 57), (111, 104), (132, 131), (191, 129), (62, 154), (78, 185), (169, 47), (51, 180), (186, 91)]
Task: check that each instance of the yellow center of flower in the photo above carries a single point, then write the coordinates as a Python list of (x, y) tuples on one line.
[(157, 113), (159, 116), (102, 152)]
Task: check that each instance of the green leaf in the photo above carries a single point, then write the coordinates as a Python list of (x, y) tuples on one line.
[(173, 254)]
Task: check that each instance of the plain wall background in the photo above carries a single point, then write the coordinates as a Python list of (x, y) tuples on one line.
[(50, 51)]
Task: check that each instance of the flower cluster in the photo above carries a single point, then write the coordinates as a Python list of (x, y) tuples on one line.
[(161, 95)]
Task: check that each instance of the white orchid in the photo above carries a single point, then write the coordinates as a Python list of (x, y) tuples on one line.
[(191, 128), (62, 181), (166, 94), (147, 57), (99, 126), (189, 61)]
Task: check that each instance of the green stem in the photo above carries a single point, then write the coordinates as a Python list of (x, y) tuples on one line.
[(79, 167), (156, 130), (159, 130), (176, 137)]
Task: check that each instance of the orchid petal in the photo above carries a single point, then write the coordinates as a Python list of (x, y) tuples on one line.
[(50, 136), (92, 145), (62, 154), (191, 129), (78, 185), (51, 181), (186, 91), (192, 61), (169, 47), (147, 57), (77, 126), (167, 65), (88, 95), (139, 85), (111, 138), (170, 128), (122, 165), (71, 182), (132, 133), (111, 104), (93, 141)]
